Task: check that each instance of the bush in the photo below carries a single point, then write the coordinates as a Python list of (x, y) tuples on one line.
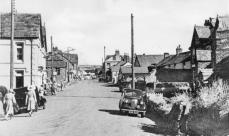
[(209, 109)]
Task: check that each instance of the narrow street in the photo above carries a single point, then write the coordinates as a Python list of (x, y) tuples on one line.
[(86, 108)]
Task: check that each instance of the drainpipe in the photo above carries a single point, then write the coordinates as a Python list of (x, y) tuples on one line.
[(31, 64)]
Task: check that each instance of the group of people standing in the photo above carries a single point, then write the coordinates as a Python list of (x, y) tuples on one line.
[(10, 105)]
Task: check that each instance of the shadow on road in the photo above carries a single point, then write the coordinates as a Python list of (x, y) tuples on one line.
[(112, 112), (116, 91), (110, 85), (117, 112)]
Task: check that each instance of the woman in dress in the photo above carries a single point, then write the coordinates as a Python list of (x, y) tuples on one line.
[(31, 99), (41, 97), (9, 101)]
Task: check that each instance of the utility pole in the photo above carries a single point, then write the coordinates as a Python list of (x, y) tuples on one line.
[(105, 62), (51, 59), (132, 50), (12, 45)]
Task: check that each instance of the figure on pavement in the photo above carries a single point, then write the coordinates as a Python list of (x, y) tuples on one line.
[(9, 100), (31, 99), (41, 97)]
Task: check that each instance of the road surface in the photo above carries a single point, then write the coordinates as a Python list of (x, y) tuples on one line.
[(86, 108)]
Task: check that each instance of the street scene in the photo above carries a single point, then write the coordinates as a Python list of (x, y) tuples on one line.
[(114, 68), (84, 108)]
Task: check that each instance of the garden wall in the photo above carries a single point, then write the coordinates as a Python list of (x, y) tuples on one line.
[(174, 75)]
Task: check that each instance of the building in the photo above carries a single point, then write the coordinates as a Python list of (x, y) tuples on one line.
[(182, 60), (112, 60), (210, 44), (64, 65), (29, 50), (116, 69), (147, 60), (140, 73)]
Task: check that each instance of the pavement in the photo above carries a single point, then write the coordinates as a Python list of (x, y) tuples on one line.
[(86, 108)]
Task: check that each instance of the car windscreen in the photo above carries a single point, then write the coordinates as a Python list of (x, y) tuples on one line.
[(133, 93)]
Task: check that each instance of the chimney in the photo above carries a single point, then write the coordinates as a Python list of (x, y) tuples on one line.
[(178, 50), (166, 54), (126, 57), (117, 53)]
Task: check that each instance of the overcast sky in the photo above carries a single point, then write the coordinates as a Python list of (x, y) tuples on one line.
[(89, 25)]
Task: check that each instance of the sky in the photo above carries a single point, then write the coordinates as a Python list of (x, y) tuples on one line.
[(89, 25)]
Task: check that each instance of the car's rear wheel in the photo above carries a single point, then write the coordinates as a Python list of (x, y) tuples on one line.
[(143, 114)]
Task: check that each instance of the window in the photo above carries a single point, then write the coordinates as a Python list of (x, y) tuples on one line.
[(58, 71), (20, 51), (19, 78)]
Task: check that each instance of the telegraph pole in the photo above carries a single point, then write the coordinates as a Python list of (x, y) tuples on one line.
[(132, 50), (12, 46), (105, 62)]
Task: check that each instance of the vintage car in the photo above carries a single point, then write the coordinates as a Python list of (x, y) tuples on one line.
[(124, 84), (133, 102)]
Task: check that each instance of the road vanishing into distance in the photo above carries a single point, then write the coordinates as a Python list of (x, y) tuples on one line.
[(86, 108)]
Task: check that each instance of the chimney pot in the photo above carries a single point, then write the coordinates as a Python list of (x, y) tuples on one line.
[(166, 54)]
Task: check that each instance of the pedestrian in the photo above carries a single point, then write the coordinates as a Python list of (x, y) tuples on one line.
[(41, 97), (31, 99), (53, 88), (9, 100)]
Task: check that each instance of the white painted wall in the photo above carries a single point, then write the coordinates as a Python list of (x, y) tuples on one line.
[(38, 60)]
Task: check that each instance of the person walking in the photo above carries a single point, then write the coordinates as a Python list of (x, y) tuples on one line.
[(31, 99), (9, 101), (41, 97)]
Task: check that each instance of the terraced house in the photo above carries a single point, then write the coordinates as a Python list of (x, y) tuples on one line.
[(29, 52)]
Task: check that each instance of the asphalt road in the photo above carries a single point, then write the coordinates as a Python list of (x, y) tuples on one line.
[(86, 108)]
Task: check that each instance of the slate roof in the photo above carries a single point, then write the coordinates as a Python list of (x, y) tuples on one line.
[(73, 57), (165, 60), (116, 68), (203, 31), (175, 59), (58, 61), (147, 60), (223, 23), (137, 70), (56, 64), (26, 25)]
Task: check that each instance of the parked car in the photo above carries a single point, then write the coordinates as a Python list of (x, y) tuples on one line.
[(20, 96), (133, 101)]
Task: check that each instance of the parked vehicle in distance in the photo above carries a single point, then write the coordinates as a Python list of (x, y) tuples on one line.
[(133, 101), (124, 84), (87, 77)]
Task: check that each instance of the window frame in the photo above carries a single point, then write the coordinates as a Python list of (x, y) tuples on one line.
[(20, 45)]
